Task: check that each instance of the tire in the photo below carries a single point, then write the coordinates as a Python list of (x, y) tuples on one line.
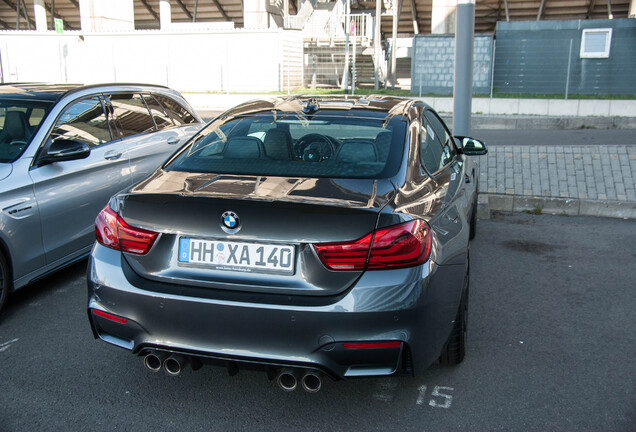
[(5, 281), (455, 348)]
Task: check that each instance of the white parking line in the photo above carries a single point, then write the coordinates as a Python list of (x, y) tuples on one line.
[(6, 345)]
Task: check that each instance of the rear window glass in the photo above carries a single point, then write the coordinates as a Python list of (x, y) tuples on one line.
[(180, 115), (328, 145), (131, 114)]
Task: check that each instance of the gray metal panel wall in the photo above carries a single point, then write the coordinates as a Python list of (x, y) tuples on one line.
[(433, 62), (532, 58)]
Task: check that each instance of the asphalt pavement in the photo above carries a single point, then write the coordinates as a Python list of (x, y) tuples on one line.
[(550, 348)]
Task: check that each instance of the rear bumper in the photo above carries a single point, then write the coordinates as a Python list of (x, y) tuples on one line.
[(414, 307)]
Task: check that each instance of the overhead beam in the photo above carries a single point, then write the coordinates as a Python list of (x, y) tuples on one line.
[(590, 9), (26, 14), (15, 8), (220, 8), (416, 27), (540, 10), (184, 9), (151, 10)]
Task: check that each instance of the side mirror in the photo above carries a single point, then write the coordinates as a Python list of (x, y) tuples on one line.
[(65, 150), (472, 147)]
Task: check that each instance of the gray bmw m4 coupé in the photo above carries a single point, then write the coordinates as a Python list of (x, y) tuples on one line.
[(310, 237)]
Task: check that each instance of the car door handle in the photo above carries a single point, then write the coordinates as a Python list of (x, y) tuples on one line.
[(173, 140), (112, 154)]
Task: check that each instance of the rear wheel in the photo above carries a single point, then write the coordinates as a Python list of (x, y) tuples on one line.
[(455, 349), (5, 281)]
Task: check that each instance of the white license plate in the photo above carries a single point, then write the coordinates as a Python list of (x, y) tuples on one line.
[(248, 257)]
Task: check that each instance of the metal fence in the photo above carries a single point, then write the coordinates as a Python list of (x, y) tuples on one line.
[(535, 58)]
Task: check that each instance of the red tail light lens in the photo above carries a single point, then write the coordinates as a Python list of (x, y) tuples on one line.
[(398, 246), (345, 256), (372, 345), (112, 231), (111, 317)]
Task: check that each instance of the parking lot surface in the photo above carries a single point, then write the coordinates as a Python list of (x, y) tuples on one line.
[(551, 347)]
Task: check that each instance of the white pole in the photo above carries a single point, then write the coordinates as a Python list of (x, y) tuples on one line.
[(353, 84), (40, 15), (165, 14), (463, 83), (567, 79), (377, 43), (347, 31)]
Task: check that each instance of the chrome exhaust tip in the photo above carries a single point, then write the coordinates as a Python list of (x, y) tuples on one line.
[(287, 380), (174, 364), (154, 360), (311, 382)]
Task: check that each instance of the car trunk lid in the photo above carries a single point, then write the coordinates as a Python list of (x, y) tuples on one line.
[(283, 216)]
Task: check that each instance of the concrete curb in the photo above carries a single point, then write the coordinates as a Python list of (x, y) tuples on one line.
[(516, 122), (479, 121), (566, 206)]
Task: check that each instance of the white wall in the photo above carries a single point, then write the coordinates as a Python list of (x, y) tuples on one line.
[(213, 61)]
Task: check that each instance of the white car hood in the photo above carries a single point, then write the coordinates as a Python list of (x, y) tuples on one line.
[(5, 170)]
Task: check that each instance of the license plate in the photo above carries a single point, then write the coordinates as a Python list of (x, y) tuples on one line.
[(247, 257)]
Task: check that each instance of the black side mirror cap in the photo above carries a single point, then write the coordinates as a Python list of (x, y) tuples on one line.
[(64, 150), (471, 146)]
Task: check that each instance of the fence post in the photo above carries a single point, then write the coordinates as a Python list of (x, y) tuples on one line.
[(492, 67), (567, 79), (288, 73)]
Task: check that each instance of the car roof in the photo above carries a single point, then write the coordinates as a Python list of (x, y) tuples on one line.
[(366, 105), (54, 92)]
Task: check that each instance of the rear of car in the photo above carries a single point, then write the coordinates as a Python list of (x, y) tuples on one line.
[(274, 240)]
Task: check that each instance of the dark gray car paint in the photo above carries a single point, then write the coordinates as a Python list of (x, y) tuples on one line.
[(414, 305)]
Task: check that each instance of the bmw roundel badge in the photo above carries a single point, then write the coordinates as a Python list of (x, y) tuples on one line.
[(230, 222)]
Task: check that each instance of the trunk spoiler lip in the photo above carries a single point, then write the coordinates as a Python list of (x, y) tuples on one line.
[(290, 190)]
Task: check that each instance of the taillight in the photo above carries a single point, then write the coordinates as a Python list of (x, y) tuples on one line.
[(372, 345), (345, 256), (108, 316), (405, 245), (112, 231)]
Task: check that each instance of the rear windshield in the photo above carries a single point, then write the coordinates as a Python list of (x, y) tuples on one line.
[(19, 119), (327, 145)]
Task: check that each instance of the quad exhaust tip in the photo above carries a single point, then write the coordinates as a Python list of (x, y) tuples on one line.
[(288, 380), (154, 360), (311, 382), (174, 364)]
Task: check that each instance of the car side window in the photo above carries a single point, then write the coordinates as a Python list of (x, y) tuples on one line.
[(179, 113), (443, 137), (430, 148), (84, 121), (162, 120), (131, 114)]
